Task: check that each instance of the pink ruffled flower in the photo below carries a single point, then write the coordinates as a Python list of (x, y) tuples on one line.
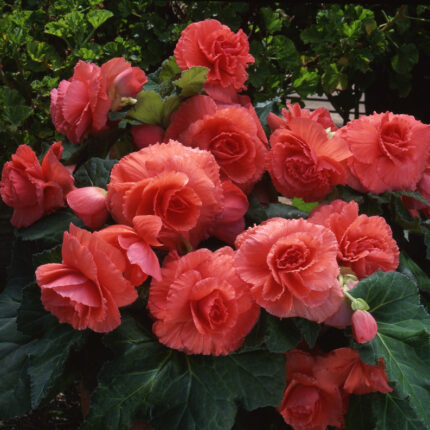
[(146, 134)]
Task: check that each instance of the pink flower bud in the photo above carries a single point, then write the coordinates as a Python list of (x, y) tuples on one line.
[(89, 204), (364, 327), (146, 134)]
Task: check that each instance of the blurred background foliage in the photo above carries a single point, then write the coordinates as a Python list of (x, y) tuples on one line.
[(339, 50)]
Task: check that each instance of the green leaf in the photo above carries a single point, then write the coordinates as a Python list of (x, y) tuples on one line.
[(170, 104), (50, 229), (94, 173), (358, 416), (177, 391), (405, 59), (303, 206), (403, 337), (48, 353), (263, 109), (192, 80), (284, 211), (14, 110), (309, 330), (52, 255), (392, 412), (409, 268), (272, 21), (169, 69), (98, 16), (148, 109)]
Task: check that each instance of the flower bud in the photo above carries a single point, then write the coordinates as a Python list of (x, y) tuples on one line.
[(364, 327), (89, 204)]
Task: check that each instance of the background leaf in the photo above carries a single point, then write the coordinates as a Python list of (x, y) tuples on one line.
[(94, 173)]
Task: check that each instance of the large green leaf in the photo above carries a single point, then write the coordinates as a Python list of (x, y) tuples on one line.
[(50, 229), (177, 391), (192, 80), (148, 109), (97, 17), (358, 416), (403, 338), (94, 173), (409, 268)]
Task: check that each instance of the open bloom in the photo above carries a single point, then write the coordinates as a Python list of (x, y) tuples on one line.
[(320, 115), (122, 80), (86, 289), (303, 162), (291, 267), (210, 44), (229, 133), (34, 190), (178, 184), (366, 243), (80, 105), (389, 152), (200, 305)]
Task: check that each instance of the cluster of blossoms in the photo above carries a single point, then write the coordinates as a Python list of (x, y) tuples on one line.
[(188, 182)]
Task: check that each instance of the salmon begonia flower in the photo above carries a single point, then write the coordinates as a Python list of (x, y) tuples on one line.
[(310, 401), (79, 106), (122, 80), (303, 162), (230, 134), (86, 289), (135, 245), (320, 115), (366, 244), (146, 134), (389, 152), (210, 44), (200, 305), (291, 267), (178, 184), (364, 327), (89, 204), (32, 189)]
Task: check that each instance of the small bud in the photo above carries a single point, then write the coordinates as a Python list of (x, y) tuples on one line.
[(364, 327), (89, 204)]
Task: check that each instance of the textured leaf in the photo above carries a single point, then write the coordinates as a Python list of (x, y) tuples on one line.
[(263, 109), (50, 229), (176, 391), (309, 330), (169, 69), (94, 173), (192, 80), (148, 109), (98, 16), (403, 337), (410, 269), (358, 416)]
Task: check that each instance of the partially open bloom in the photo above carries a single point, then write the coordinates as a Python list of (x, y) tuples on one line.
[(210, 44), (89, 204), (389, 152), (366, 243), (230, 134), (303, 162), (135, 245), (86, 289), (320, 115), (311, 402), (364, 327), (291, 267), (80, 105), (122, 80), (178, 184), (34, 190), (200, 305)]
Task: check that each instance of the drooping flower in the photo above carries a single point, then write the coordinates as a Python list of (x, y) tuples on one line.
[(210, 44), (366, 243), (310, 401), (389, 152), (291, 267), (79, 106), (86, 289), (303, 162), (89, 204), (200, 305), (178, 184), (32, 189)]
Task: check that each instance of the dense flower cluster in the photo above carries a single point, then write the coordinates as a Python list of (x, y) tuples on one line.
[(189, 182)]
